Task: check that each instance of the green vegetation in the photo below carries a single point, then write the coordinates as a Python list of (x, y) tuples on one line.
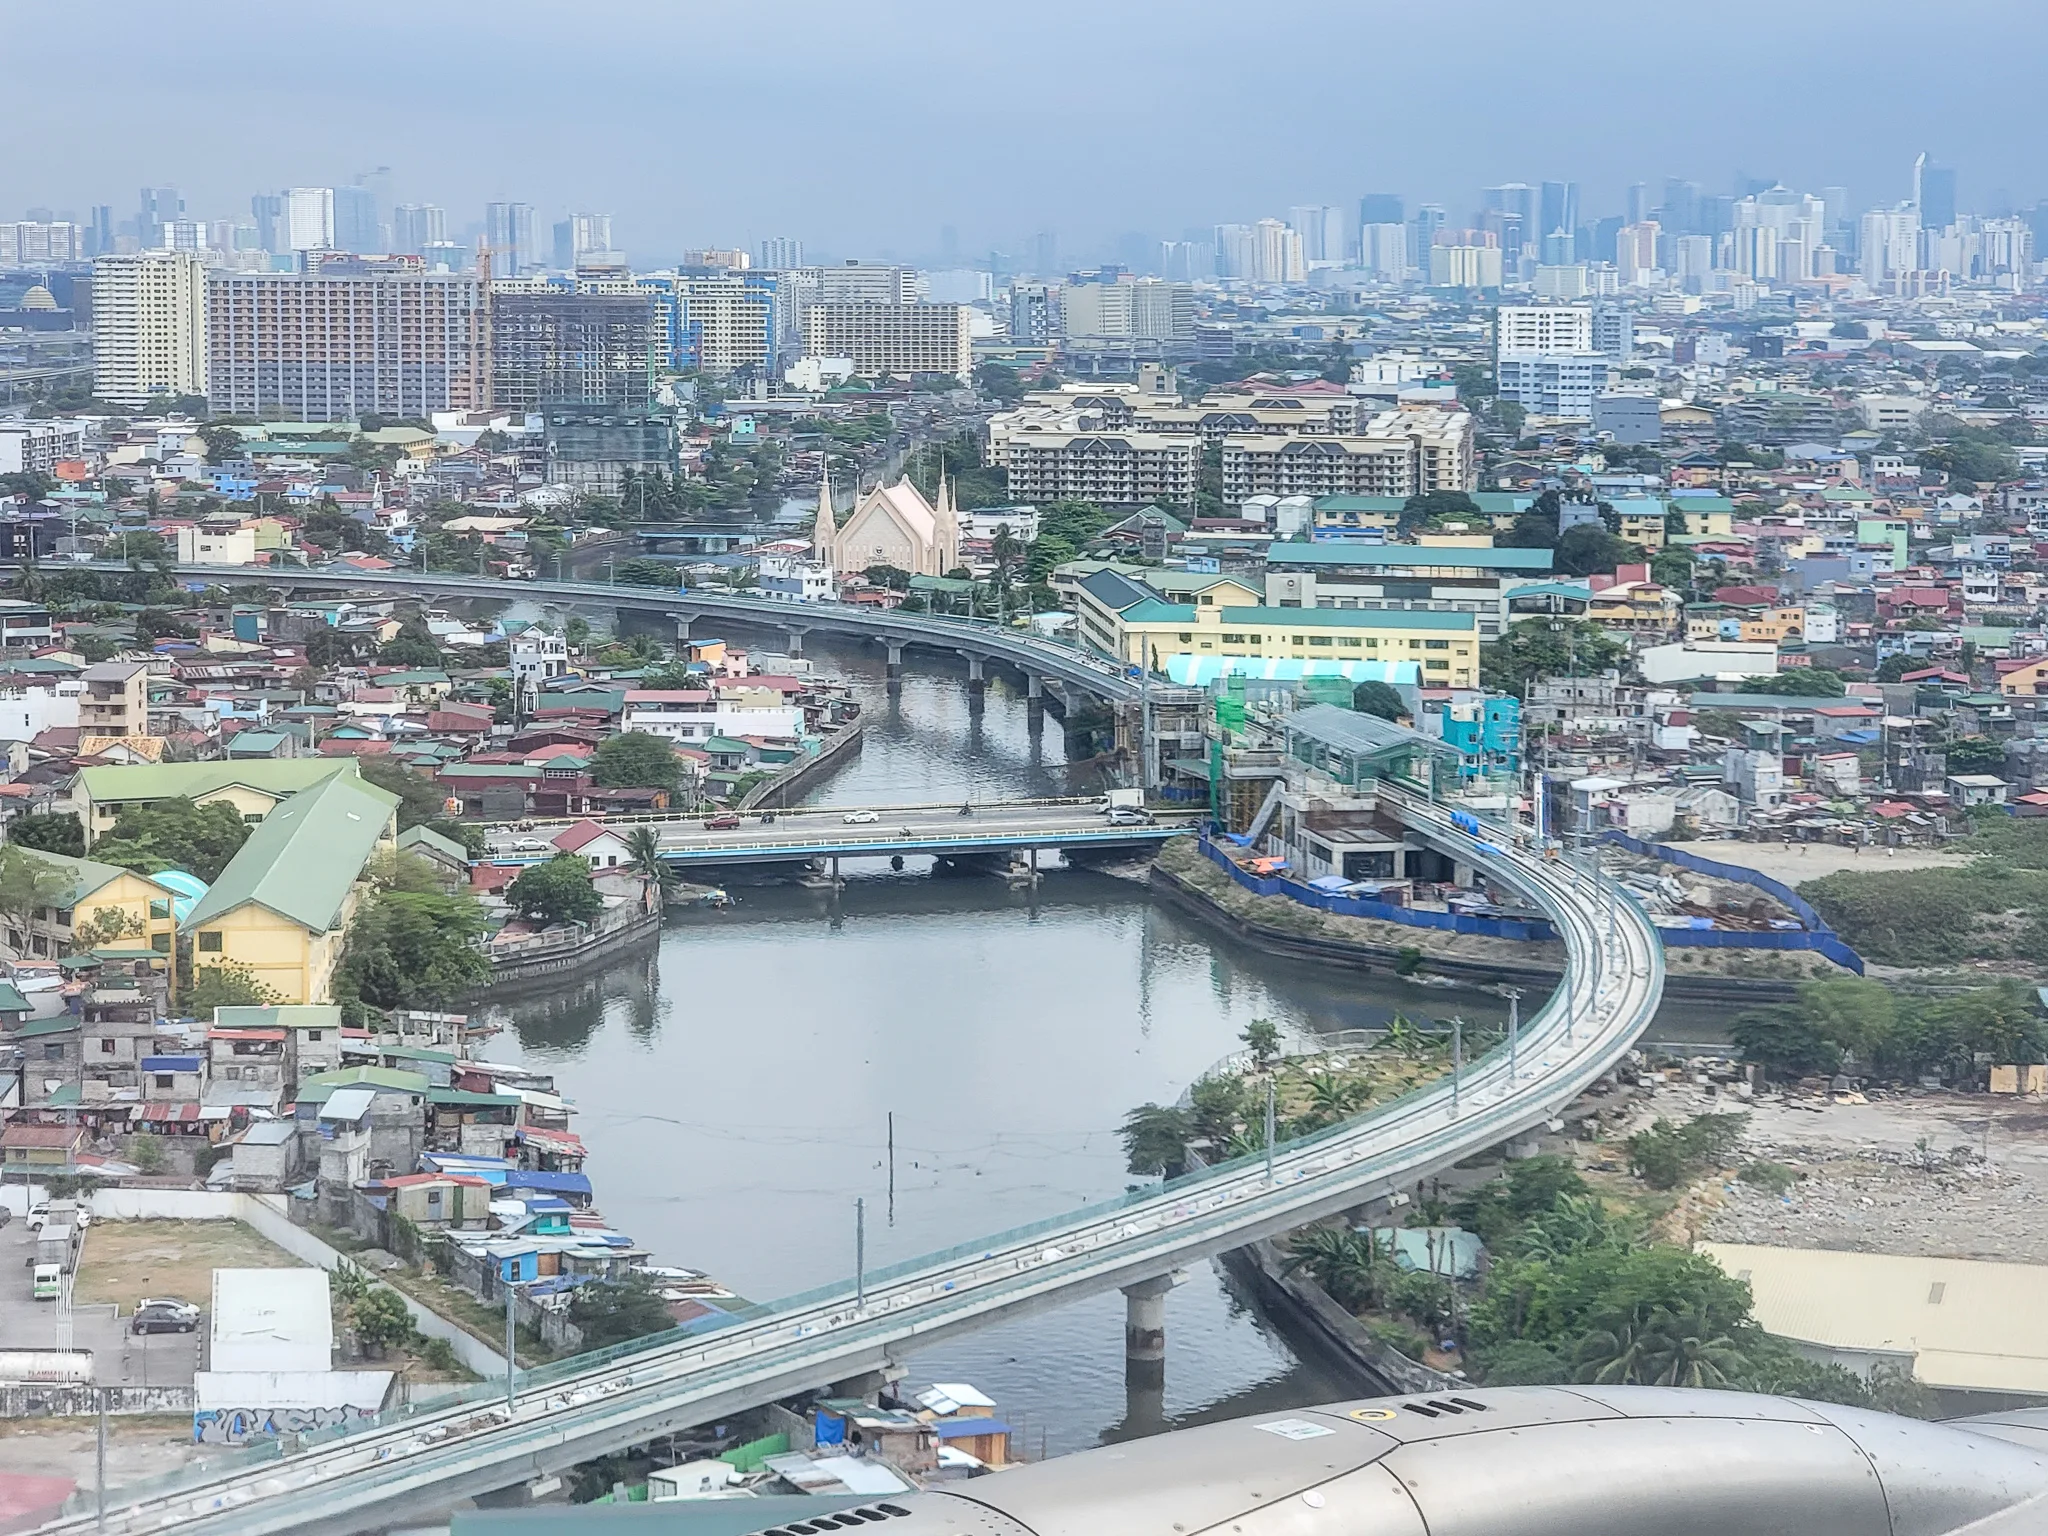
[(411, 945), (1586, 549), (635, 760), (1380, 699), (1891, 1036), (1993, 908), (1798, 683), (50, 831), (1668, 1155), (1532, 648), (610, 1312), (174, 834), (228, 984), (557, 891)]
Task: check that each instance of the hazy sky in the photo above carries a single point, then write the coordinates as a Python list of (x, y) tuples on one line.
[(864, 126)]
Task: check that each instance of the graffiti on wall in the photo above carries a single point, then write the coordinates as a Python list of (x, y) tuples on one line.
[(236, 1426)]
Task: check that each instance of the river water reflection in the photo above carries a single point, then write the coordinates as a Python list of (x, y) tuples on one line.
[(737, 1085)]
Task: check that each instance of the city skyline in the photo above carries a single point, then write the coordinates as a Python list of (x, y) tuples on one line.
[(774, 111)]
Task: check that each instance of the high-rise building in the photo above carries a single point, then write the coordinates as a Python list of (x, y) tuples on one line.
[(1635, 251), (509, 237), (1037, 314), (309, 218), (1148, 309), (1681, 206), (779, 253), (1321, 229), (346, 336), (1383, 250), (1423, 229), (1888, 244), (32, 242), (1190, 261), (1558, 209), (267, 210), (891, 339), (867, 282), (728, 322), (183, 235), (553, 345), (415, 226), (160, 205), (100, 235), (1237, 251), (1694, 257), (1636, 206), (581, 235), (1614, 333), (1934, 193), (1465, 266), (357, 226), (1278, 253), (1045, 254), (1382, 208), (1508, 212), (149, 326)]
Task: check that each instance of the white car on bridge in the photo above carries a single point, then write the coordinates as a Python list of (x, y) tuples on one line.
[(861, 818)]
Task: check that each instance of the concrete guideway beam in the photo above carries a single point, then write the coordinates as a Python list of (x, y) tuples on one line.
[(363, 1480)]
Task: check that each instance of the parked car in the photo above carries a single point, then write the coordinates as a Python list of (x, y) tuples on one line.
[(529, 845), (163, 1314), (861, 818), (727, 822), (68, 1215)]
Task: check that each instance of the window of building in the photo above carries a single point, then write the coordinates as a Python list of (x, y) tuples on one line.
[(1319, 640), (53, 1053), (1233, 639), (160, 908), (1437, 645), (209, 941), (160, 942), (1437, 666), (315, 1036), (165, 1080), (1300, 639), (106, 1047), (1352, 642)]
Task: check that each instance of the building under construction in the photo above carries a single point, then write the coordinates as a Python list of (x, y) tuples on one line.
[(560, 347)]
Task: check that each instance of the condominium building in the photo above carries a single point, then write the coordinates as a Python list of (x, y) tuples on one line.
[(1147, 309), (1109, 468), (309, 218), (1540, 328), (728, 322), (860, 282), (1465, 266), (30, 243), (1399, 453), (1547, 384), (346, 337), (149, 326), (891, 339), (558, 346)]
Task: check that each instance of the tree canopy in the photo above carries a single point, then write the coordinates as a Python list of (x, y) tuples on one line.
[(1588, 548), (1532, 648), (635, 760), (413, 949), (51, 831), (557, 891), (174, 834), (1372, 697)]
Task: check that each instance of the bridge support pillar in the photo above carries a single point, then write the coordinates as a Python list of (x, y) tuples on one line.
[(683, 623), (1525, 1146), (1145, 1332), (795, 637), (895, 659), (977, 678)]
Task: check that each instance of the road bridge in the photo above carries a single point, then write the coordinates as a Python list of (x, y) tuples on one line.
[(404, 1465), (976, 642), (851, 832)]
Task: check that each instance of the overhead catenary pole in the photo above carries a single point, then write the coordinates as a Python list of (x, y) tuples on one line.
[(1271, 1125), (511, 1351), (860, 1252), (1514, 997)]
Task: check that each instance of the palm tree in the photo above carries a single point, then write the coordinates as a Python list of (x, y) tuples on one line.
[(1156, 1139), (1333, 1098), (1401, 1036), (1575, 1224), (1348, 1264), (1688, 1350), (644, 848), (1618, 1354)]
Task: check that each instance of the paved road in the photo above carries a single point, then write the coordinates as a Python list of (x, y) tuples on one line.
[(589, 1406), (119, 1358)]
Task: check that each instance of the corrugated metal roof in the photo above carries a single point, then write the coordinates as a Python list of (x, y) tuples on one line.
[(1969, 1324), (304, 856), (348, 1104)]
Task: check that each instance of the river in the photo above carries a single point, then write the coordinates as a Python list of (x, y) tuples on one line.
[(736, 1087)]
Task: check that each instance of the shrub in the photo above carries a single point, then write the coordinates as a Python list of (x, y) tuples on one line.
[(1775, 1177)]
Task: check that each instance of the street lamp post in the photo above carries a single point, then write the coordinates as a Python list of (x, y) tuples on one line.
[(1514, 997)]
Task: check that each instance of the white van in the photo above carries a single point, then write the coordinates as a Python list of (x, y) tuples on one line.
[(48, 1283)]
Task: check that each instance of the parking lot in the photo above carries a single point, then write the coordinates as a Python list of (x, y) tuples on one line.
[(119, 1358)]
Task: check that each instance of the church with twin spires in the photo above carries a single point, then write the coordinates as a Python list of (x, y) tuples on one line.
[(889, 525)]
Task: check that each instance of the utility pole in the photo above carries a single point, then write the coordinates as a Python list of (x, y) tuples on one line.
[(511, 1350), (860, 1252), (99, 1481), (1514, 997), (1457, 1058), (1270, 1126)]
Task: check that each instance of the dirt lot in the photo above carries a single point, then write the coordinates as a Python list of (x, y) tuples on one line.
[(1907, 1175), (137, 1449), (1796, 862), (125, 1260)]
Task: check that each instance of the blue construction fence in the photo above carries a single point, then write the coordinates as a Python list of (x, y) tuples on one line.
[(1380, 911), (1816, 936)]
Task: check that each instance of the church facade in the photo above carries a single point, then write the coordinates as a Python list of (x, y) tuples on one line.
[(890, 525)]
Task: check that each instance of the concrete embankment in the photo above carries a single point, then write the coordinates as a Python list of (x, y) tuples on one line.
[(1189, 883), (791, 782)]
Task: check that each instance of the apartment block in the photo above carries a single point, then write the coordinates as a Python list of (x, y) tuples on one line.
[(1399, 453), (1552, 384), (1543, 329), (350, 336), (149, 326), (891, 339), (1111, 468), (28, 243), (728, 322), (115, 700)]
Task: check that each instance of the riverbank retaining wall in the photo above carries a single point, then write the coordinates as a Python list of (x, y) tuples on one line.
[(1263, 1269), (791, 782), (552, 958)]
